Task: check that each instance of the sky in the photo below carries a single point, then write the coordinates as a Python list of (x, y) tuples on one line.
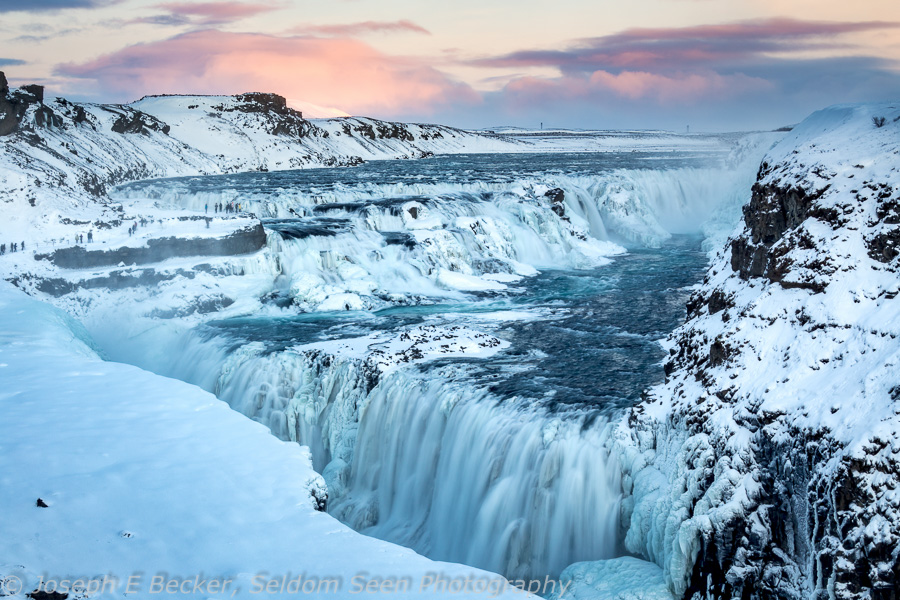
[(711, 65)]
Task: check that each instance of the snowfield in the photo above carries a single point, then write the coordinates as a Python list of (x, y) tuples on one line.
[(111, 471)]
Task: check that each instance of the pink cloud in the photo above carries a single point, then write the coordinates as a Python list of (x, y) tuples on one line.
[(603, 87), (344, 73), (363, 28), (684, 88), (208, 13), (685, 47)]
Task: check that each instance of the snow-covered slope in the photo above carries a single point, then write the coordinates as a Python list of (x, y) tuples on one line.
[(768, 464), (110, 471), (259, 132)]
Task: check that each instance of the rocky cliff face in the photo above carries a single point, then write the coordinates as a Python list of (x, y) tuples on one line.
[(768, 465)]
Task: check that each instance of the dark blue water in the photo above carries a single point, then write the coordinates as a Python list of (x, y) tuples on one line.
[(445, 169), (592, 342), (605, 351)]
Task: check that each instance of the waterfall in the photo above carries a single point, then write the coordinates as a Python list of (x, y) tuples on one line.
[(423, 458), (424, 455), (460, 477)]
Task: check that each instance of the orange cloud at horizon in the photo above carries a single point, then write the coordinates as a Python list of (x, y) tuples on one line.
[(343, 73)]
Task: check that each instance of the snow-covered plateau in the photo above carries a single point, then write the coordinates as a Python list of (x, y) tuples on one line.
[(456, 353)]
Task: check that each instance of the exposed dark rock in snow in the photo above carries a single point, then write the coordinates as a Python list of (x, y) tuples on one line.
[(15, 106), (134, 121), (557, 198)]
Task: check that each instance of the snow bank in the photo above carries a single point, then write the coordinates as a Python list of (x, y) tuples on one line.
[(112, 471)]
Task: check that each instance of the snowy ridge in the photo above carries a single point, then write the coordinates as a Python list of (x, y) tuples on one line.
[(768, 465), (139, 472)]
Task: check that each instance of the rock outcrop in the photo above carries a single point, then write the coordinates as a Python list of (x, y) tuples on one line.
[(16, 106)]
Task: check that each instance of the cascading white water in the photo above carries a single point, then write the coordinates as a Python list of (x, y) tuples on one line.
[(504, 487), (642, 205), (429, 461)]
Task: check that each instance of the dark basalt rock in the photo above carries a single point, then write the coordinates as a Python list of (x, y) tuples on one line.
[(718, 302), (885, 247), (14, 106), (718, 353), (381, 130), (557, 198), (280, 118), (773, 218), (134, 121), (394, 131), (321, 499), (42, 595), (265, 102), (35, 90)]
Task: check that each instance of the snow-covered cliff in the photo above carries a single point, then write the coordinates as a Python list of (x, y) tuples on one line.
[(768, 464)]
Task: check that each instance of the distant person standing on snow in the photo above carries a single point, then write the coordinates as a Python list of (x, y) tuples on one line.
[(23, 246), (206, 208), (90, 236)]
